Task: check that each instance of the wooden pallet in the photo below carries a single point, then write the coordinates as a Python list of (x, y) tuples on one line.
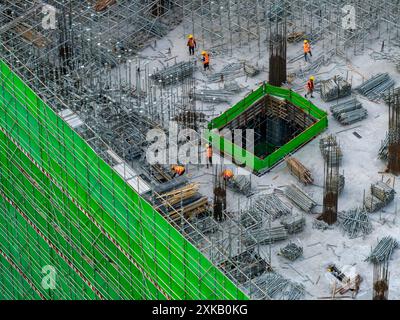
[(102, 5), (299, 170), (30, 35)]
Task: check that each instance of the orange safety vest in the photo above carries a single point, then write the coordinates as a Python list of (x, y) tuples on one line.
[(307, 47), (180, 170), (209, 152), (310, 85), (227, 174), (191, 43), (206, 59)]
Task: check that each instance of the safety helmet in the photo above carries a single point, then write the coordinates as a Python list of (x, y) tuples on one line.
[(305, 41), (190, 36), (203, 53), (312, 78)]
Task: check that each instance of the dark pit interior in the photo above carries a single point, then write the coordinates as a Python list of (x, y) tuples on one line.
[(275, 122)]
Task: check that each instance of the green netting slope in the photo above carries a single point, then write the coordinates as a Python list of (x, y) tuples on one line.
[(63, 206)]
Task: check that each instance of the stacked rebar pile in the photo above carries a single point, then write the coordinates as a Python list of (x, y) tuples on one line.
[(335, 88), (264, 236), (333, 157), (271, 205), (232, 86), (355, 223), (251, 218), (241, 184), (383, 191), (383, 251), (293, 224), (228, 72), (213, 96), (299, 170), (173, 74), (292, 251), (349, 112), (279, 288), (321, 225), (344, 107), (372, 203), (246, 265), (375, 88), (381, 195), (299, 198)]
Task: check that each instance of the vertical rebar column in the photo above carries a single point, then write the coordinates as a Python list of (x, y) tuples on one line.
[(219, 194), (277, 58), (381, 281), (331, 185), (394, 134)]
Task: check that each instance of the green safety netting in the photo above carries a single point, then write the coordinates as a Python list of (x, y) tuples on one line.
[(243, 156), (61, 205)]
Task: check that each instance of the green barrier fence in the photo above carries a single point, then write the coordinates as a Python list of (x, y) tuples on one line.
[(61, 205), (242, 156)]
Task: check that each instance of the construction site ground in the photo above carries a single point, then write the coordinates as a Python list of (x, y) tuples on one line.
[(360, 164)]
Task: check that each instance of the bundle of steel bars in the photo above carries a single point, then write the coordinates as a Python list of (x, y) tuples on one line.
[(173, 74), (279, 288), (299, 198), (383, 251), (344, 107), (271, 205), (264, 236), (375, 88), (291, 251), (293, 223), (355, 223), (383, 191), (335, 88), (213, 96)]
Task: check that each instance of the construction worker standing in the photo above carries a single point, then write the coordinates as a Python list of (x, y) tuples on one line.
[(206, 60), (227, 174), (177, 170), (191, 44), (307, 49), (310, 87), (209, 151)]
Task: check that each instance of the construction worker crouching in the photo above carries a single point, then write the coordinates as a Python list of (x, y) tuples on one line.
[(191, 44), (307, 50), (209, 151), (310, 87), (227, 174), (178, 170), (206, 60)]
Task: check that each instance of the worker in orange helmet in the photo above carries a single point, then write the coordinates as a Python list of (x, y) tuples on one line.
[(227, 174), (310, 87), (209, 152), (206, 60), (191, 44), (178, 170), (307, 49)]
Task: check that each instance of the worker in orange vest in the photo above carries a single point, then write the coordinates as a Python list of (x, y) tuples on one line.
[(227, 174), (178, 170), (307, 49), (206, 60), (209, 151), (310, 87), (191, 44)]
